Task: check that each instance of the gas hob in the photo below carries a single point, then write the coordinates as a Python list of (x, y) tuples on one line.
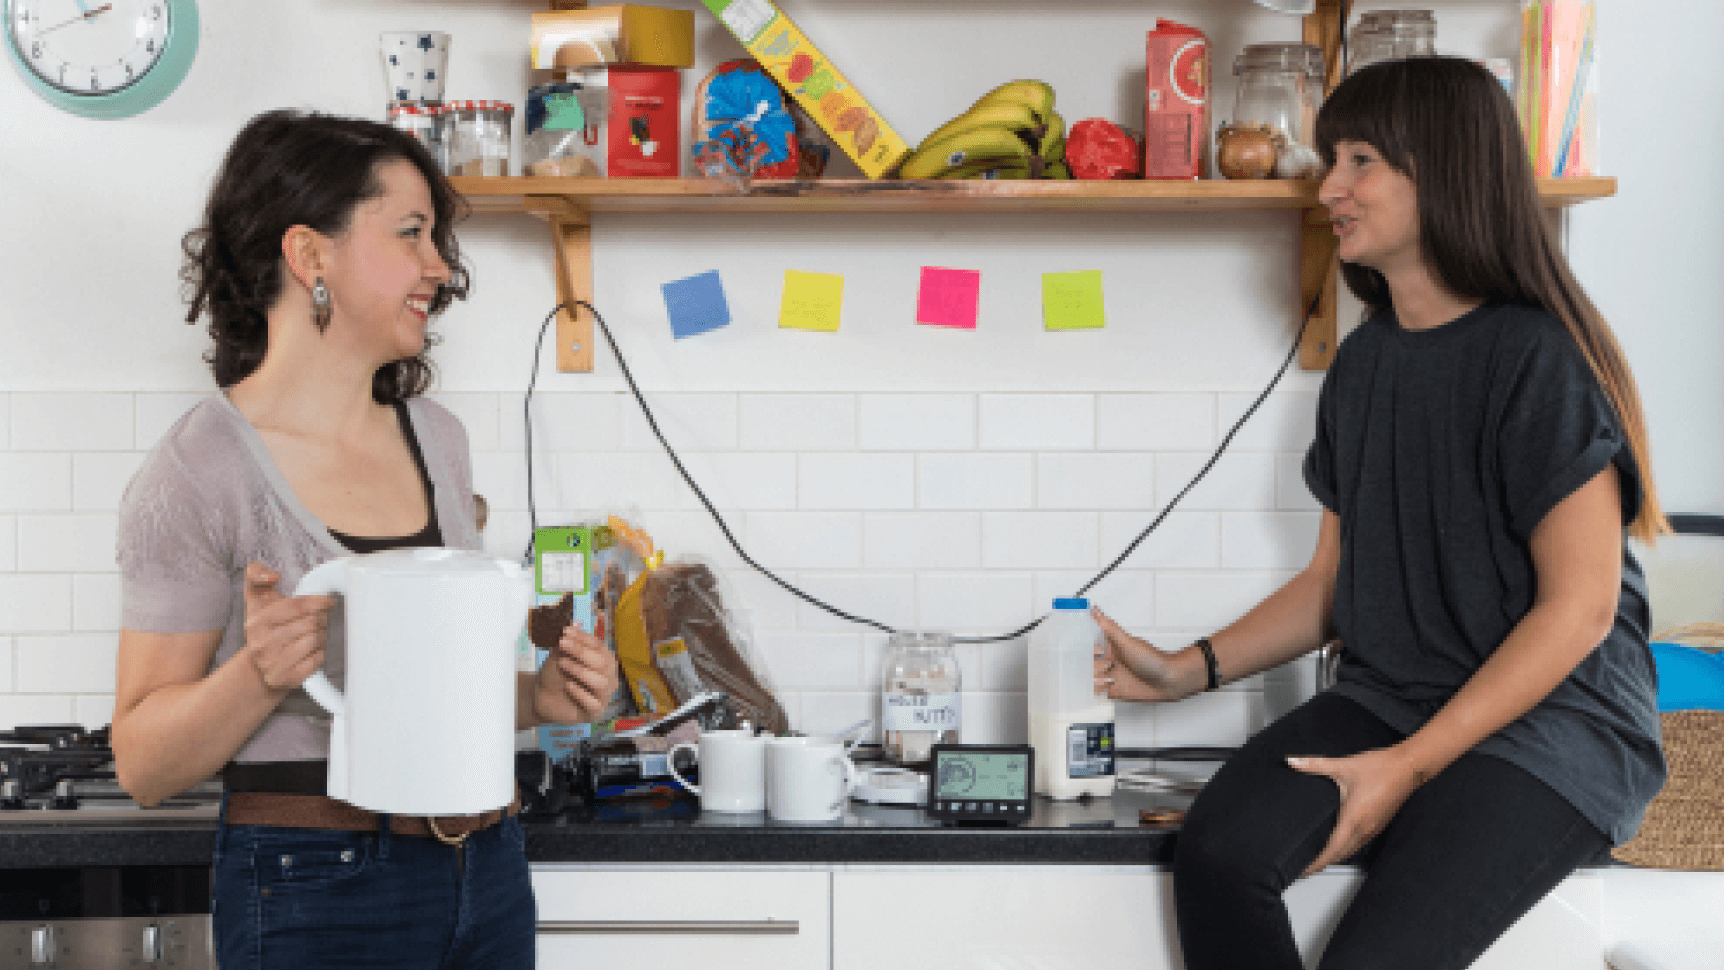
[(63, 774)]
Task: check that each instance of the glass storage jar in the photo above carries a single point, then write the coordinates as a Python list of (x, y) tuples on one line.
[(1386, 35), (919, 696), (481, 142), (1280, 89), (562, 130), (422, 121)]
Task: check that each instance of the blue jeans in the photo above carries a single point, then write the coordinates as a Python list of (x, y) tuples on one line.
[(309, 899), (1467, 855)]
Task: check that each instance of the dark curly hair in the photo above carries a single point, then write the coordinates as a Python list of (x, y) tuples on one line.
[(291, 168)]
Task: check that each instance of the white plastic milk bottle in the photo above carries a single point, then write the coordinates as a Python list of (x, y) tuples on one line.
[(1071, 728)]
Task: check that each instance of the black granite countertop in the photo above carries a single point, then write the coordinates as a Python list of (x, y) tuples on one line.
[(1104, 831)]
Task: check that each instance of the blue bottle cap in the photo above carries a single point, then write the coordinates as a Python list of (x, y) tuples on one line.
[(1071, 603)]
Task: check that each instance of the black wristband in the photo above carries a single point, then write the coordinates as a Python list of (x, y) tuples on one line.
[(1209, 662)]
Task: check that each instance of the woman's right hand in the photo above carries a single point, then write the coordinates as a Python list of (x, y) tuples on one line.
[(283, 634), (1134, 670)]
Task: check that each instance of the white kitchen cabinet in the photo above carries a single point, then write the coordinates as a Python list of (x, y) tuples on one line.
[(713, 918), (1002, 918), (953, 917), (1082, 917)]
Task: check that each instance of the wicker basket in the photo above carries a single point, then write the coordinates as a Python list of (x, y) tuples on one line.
[(1684, 827)]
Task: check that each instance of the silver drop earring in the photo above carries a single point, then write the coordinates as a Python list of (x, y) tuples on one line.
[(320, 306)]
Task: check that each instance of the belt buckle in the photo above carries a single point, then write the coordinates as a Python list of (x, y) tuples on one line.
[(446, 839)]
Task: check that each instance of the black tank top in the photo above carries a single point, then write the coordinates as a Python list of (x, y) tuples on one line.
[(431, 535)]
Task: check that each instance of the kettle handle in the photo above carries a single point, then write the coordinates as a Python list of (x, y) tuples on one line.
[(330, 577)]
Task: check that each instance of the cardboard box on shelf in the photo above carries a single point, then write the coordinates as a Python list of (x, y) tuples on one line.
[(828, 97), (1176, 102), (623, 33), (644, 137)]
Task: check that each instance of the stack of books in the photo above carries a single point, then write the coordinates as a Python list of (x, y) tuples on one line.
[(1558, 97)]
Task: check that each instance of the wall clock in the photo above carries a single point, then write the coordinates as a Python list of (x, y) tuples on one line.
[(102, 58)]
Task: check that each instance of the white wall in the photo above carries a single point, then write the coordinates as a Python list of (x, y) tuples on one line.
[(923, 477)]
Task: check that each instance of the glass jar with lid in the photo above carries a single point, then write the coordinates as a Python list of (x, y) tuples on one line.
[(1386, 35), (919, 696), (562, 130), (1280, 89), (423, 123), (481, 141)]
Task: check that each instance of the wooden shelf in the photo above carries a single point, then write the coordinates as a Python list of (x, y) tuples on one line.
[(568, 204), (545, 195)]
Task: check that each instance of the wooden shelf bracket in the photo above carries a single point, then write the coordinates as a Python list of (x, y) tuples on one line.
[(1318, 269), (572, 242)]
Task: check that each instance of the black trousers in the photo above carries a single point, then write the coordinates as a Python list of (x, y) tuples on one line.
[(1469, 853)]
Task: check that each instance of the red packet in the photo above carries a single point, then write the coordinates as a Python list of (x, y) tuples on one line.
[(1176, 102), (645, 138)]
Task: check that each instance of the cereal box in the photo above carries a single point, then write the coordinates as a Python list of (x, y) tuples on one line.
[(827, 96), (1176, 102)]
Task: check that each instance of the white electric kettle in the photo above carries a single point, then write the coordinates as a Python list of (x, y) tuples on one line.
[(426, 725)]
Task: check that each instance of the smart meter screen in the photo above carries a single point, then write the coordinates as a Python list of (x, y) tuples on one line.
[(980, 775)]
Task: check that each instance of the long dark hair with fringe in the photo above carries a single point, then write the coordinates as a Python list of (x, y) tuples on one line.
[(1447, 124), (289, 168)]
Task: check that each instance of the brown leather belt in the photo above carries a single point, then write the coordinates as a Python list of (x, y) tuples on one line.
[(323, 812)]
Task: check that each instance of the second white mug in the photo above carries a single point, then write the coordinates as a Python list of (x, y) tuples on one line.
[(808, 779)]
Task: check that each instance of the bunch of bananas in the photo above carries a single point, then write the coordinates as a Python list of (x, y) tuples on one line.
[(1012, 132)]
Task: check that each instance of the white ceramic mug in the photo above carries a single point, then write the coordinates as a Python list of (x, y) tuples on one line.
[(414, 62), (732, 770), (807, 779)]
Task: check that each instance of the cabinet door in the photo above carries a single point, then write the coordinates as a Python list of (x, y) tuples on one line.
[(714, 919), (1563, 932), (992, 917), (1084, 917)]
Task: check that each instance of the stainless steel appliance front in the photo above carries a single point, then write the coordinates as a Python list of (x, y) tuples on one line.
[(108, 943)]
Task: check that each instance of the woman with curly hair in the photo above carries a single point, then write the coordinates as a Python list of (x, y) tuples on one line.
[(326, 246)]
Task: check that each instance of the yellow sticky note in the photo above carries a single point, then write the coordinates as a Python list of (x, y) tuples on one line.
[(812, 301), (1072, 301)]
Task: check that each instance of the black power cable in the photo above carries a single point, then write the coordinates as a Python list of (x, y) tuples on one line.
[(769, 574)]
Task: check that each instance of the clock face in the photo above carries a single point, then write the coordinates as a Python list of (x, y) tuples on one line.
[(102, 58)]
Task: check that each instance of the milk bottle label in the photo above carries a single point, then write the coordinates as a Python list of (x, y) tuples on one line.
[(921, 712), (1089, 750)]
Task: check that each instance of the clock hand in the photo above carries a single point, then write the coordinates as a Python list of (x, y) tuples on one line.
[(87, 15)]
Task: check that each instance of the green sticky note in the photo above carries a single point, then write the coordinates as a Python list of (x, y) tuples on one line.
[(812, 301), (1072, 301)]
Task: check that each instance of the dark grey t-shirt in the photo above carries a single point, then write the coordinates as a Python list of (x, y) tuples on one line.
[(1441, 450)]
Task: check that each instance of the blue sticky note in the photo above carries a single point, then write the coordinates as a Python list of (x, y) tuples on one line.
[(696, 304)]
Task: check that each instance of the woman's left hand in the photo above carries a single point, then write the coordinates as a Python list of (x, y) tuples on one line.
[(1374, 785), (576, 681)]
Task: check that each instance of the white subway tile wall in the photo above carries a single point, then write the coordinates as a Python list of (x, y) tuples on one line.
[(956, 511)]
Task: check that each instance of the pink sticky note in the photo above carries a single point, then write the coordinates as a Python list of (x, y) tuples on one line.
[(948, 297)]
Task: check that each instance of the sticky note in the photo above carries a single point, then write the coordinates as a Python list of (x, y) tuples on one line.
[(812, 301), (696, 304), (947, 297), (1072, 301)]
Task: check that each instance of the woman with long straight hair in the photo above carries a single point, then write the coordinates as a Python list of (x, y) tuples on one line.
[(1481, 458)]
